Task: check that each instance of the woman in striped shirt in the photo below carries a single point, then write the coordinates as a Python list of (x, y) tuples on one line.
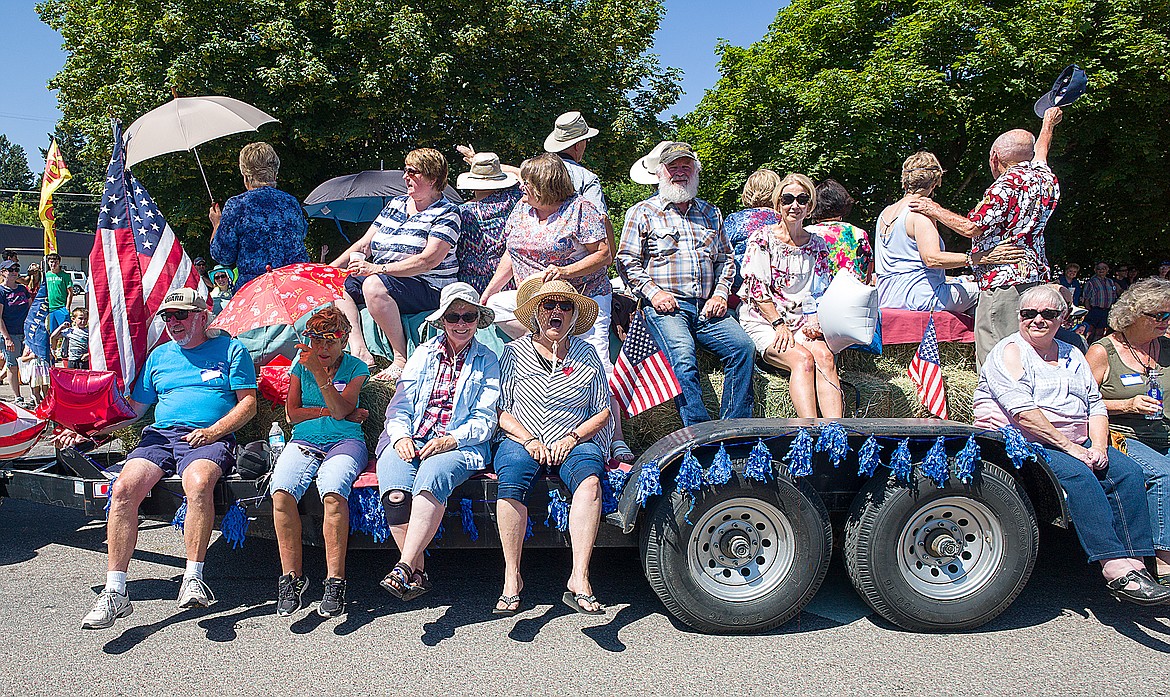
[(554, 414)]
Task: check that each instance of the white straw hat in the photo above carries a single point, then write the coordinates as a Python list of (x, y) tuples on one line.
[(486, 174)]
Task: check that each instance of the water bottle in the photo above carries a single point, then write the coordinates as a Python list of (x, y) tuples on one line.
[(275, 441), (1155, 392)]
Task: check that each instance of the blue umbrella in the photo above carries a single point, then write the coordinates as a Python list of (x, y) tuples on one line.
[(359, 198)]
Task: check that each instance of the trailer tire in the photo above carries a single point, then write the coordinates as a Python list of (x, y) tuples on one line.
[(941, 559), (754, 556)]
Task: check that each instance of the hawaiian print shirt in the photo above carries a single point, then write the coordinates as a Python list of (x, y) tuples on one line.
[(482, 241), (791, 277), (1016, 209), (558, 241), (848, 246)]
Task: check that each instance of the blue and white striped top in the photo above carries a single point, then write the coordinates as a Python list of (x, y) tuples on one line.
[(399, 235)]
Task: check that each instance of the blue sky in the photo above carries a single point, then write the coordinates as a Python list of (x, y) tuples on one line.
[(30, 54)]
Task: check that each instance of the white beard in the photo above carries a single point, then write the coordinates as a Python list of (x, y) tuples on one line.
[(677, 193)]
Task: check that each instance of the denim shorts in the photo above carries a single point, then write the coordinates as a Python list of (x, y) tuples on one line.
[(336, 469), (11, 357), (413, 295), (516, 469), (438, 474), (165, 448)]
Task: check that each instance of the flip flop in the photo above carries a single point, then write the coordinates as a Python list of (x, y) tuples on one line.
[(508, 601), (573, 600)]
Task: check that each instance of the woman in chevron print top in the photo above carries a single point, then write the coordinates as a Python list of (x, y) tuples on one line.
[(554, 415)]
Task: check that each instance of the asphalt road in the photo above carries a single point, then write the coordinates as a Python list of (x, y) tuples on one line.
[(1064, 635)]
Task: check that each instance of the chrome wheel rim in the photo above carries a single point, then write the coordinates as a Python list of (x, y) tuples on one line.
[(741, 549), (950, 548)]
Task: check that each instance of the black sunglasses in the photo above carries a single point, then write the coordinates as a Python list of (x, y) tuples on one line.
[(787, 199), (1158, 316), (563, 305), (168, 315), (466, 317), (1031, 313), (411, 171)]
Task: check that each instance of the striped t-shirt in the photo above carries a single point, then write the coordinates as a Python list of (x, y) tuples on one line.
[(399, 235), (550, 403)]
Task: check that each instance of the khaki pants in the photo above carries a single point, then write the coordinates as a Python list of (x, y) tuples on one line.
[(996, 316)]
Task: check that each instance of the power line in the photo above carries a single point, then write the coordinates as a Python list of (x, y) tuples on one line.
[(55, 193)]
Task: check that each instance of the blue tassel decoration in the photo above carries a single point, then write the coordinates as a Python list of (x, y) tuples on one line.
[(558, 510), (1018, 449), (467, 517), (834, 440), (799, 457), (528, 529), (935, 465), (366, 514), (869, 457), (235, 525), (1041, 453), (719, 472), (759, 463), (180, 516), (900, 461), (612, 486), (966, 459), (648, 483), (689, 480), (110, 495)]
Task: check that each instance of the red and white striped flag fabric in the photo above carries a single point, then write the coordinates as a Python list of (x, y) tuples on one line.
[(642, 377), (136, 260), (19, 430), (926, 372)]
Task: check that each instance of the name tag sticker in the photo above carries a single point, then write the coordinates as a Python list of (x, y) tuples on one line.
[(209, 375), (1131, 379)]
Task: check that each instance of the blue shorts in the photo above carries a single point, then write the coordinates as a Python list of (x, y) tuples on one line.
[(57, 318), (336, 469), (413, 295), (164, 448), (516, 468), (438, 474)]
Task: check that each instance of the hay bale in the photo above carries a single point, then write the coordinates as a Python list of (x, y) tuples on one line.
[(960, 393)]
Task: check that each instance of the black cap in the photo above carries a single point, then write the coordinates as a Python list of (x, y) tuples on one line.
[(1067, 89)]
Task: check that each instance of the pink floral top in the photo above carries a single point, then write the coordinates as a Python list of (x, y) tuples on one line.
[(848, 246), (558, 241), (792, 277)]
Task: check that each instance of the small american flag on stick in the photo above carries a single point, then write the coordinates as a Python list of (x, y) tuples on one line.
[(926, 372), (642, 377)]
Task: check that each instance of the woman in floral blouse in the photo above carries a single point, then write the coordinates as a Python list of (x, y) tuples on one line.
[(482, 240), (786, 268), (848, 244)]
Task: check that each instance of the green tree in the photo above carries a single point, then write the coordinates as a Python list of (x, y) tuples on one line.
[(849, 88), (18, 211), (356, 83), (14, 171)]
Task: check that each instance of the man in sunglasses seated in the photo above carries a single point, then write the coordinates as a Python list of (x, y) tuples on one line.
[(675, 255), (203, 388)]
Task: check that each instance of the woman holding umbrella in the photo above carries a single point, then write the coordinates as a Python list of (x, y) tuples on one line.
[(404, 259), (261, 227)]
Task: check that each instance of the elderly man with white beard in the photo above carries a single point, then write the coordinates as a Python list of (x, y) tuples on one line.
[(203, 388), (675, 254)]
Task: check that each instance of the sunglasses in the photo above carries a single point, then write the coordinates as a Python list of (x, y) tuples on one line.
[(172, 315), (411, 171), (562, 305), (787, 199), (1158, 316), (1031, 313), (466, 317)]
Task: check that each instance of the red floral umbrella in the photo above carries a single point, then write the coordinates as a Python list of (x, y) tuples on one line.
[(281, 296)]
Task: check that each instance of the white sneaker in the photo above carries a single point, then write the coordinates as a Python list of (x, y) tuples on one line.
[(195, 593), (110, 605)]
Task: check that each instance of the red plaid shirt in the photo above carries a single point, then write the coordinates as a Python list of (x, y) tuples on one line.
[(438, 413), (1016, 209)]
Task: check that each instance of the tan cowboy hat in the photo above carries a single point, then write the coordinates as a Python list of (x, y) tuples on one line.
[(645, 170), (461, 291), (535, 290), (570, 128), (486, 174)]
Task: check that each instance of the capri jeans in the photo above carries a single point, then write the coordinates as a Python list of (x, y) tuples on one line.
[(516, 469), (335, 469), (1157, 468), (438, 474), (1108, 507)]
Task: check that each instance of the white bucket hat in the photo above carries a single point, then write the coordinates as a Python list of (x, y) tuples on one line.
[(486, 174), (570, 128), (461, 291)]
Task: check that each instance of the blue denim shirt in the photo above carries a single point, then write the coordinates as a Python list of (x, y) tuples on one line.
[(473, 416), (260, 227)]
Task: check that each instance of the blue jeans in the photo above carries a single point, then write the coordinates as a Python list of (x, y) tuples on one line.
[(1157, 467), (1108, 507), (335, 470), (678, 332), (516, 469)]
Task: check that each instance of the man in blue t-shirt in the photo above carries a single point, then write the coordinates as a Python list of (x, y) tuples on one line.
[(203, 388)]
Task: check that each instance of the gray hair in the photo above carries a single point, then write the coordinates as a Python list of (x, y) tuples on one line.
[(1047, 292), (259, 164), (1147, 295)]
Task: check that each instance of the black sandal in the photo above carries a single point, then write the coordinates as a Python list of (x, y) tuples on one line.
[(397, 582), (573, 600), (508, 601), (419, 584)]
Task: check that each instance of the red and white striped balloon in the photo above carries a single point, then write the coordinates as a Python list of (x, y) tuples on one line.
[(19, 431)]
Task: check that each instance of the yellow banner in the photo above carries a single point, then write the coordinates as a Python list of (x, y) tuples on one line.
[(56, 174)]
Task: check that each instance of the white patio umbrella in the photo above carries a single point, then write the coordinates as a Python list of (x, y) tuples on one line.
[(185, 122)]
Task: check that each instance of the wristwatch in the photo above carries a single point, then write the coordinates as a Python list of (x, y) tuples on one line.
[(777, 322)]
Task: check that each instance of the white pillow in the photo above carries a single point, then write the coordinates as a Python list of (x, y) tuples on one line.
[(848, 312)]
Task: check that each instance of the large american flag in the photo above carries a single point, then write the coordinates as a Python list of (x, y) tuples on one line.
[(136, 260), (642, 377), (926, 372)]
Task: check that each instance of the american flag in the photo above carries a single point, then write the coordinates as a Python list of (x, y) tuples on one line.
[(136, 260), (926, 372), (642, 377)]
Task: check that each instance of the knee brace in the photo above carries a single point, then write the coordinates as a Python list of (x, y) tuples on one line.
[(397, 512)]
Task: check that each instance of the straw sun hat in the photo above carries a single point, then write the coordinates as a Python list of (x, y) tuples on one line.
[(570, 128), (486, 174), (534, 290)]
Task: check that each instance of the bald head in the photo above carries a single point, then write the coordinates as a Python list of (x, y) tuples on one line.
[(1014, 146)]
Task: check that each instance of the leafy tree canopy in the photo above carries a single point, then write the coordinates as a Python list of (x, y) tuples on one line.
[(358, 83), (849, 88), (14, 171)]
